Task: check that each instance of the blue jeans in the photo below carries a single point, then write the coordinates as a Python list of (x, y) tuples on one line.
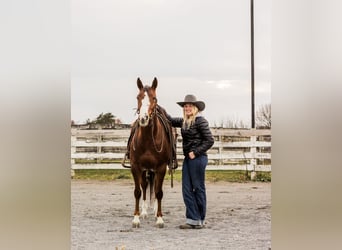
[(193, 189)]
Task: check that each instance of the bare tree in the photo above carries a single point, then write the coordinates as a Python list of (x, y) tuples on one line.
[(231, 123), (263, 116)]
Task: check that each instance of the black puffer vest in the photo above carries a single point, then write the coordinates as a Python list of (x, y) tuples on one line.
[(197, 138)]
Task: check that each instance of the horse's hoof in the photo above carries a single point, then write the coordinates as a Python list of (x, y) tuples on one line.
[(135, 225), (136, 221), (160, 225), (160, 222)]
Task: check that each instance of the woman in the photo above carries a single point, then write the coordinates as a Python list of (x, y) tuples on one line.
[(197, 139)]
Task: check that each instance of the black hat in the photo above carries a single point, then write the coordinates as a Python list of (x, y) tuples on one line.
[(192, 99)]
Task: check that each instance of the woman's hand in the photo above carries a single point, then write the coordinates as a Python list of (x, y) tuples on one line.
[(191, 155)]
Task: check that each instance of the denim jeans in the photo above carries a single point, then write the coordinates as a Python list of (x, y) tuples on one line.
[(193, 189)]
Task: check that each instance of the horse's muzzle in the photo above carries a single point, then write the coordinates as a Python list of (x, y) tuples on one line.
[(144, 120)]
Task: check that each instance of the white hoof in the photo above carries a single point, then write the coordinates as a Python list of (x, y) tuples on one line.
[(160, 222), (136, 221)]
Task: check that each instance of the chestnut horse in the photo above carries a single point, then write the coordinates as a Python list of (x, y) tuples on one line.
[(150, 151)]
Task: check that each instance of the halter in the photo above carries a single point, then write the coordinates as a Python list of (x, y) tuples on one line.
[(150, 118), (144, 121)]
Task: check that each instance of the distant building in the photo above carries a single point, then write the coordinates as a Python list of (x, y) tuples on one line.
[(99, 126)]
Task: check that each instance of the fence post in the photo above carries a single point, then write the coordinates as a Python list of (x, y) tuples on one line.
[(99, 139), (253, 154), (73, 151), (220, 149)]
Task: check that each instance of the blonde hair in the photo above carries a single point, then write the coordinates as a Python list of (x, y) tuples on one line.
[(189, 120)]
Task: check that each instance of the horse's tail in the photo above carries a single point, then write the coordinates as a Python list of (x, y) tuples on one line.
[(150, 178)]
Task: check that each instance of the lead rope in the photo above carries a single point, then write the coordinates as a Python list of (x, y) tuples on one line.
[(171, 168), (154, 143)]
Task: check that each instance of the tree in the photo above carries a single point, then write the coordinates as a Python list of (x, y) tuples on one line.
[(234, 123), (105, 120), (263, 116)]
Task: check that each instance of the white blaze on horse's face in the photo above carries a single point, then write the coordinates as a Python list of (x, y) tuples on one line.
[(144, 116)]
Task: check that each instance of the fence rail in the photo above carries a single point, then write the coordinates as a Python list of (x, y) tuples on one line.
[(233, 149)]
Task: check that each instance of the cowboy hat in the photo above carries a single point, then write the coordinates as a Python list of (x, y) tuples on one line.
[(192, 99)]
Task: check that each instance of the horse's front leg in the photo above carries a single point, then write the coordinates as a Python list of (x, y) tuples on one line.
[(144, 205), (159, 195), (137, 195)]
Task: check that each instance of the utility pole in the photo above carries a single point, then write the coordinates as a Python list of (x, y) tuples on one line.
[(252, 65), (253, 137)]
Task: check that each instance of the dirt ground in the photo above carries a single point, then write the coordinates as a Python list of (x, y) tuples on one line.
[(238, 217)]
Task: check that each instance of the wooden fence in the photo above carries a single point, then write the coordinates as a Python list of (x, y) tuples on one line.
[(234, 149)]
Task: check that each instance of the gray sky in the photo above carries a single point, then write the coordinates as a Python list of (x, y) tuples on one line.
[(199, 47)]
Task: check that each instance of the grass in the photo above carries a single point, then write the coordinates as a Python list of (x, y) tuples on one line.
[(101, 161), (211, 175)]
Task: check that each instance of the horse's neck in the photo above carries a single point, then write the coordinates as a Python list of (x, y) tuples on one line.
[(156, 125), (146, 132)]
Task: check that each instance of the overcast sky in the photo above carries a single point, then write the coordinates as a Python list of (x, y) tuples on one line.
[(199, 47)]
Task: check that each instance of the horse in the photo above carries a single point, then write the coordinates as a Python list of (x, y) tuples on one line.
[(150, 151)]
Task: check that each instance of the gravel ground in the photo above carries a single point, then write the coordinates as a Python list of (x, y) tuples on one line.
[(238, 217)]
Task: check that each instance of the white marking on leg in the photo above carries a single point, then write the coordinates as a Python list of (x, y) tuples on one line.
[(155, 208), (144, 207)]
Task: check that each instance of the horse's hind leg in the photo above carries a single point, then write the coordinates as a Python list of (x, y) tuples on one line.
[(159, 178)]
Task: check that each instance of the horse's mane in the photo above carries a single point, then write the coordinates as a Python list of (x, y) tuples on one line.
[(161, 110), (161, 113)]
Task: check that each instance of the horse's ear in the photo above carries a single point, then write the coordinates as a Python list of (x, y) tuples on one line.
[(139, 84), (155, 83)]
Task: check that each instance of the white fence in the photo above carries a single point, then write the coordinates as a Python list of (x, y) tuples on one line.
[(234, 149)]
